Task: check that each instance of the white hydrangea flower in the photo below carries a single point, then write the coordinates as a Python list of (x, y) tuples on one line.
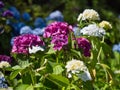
[(88, 14), (93, 30), (105, 24), (77, 67), (85, 76), (4, 64), (34, 49)]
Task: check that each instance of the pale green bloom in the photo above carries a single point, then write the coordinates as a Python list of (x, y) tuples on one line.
[(105, 24)]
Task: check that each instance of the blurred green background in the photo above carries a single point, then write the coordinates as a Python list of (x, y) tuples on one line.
[(108, 10)]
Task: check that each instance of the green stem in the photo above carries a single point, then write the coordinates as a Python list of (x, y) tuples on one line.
[(57, 60), (98, 57), (32, 76)]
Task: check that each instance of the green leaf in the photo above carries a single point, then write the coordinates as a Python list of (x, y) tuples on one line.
[(57, 70), (58, 80), (30, 88), (51, 50), (24, 87), (14, 74), (105, 66), (16, 67)]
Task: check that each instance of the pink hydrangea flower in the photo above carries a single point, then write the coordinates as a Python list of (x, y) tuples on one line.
[(59, 41), (84, 44), (57, 28), (59, 32), (23, 42)]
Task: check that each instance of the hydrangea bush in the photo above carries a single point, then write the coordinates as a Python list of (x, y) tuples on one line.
[(60, 57)]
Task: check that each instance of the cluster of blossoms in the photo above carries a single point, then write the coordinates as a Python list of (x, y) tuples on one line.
[(28, 30), (5, 61), (2, 81), (55, 16), (59, 32), (116, 47), (105, 24), (6, 12), (88, 14), (93, 30), (84, 44), (23, 42), (78, 68)]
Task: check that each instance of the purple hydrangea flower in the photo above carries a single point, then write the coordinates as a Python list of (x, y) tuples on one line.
[(85, 45), (59, 41), (5, 58), (59, 32), (25, 41), (7, 13), (1, 4)]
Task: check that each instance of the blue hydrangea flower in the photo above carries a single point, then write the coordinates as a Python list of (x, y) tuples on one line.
[(39, 23), (56, 16), (25, 30), (17, 27), (26, 16), (16, 13), (2, 81), (76, 31), (12, 41), (116, 47), (38, 31)]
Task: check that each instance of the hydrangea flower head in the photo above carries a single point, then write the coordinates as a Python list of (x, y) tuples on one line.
[(5, 58), (93, 30), (39, 22), (57, 28), (75, 65), (85, 45), (59, 41), (23, 42), (16, 13), (25, 30), (26, 16), (78, 68), (56, 16), (1, 4), (4, 64), (7, 13), (105, 24), (2, 82), (88, 14), (116, 47), (59, 32), (76, 31), (38, 31)]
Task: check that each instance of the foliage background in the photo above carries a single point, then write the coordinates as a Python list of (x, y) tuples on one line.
[(108, 10)]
